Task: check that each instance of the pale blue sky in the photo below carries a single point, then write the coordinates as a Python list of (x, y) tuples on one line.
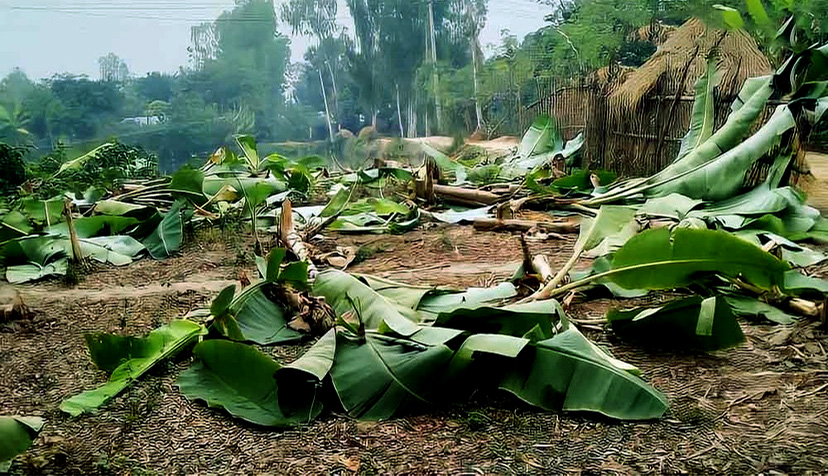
[(44, 37)]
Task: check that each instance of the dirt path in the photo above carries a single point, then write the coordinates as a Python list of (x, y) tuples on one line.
[(756, 409)]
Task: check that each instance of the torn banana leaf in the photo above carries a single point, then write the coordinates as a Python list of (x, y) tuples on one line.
[(159, 345), (751, 307), (17, 433), (377, 377), (658, 259), (687, 324), (349, 296), (239, 379), (569, 373)]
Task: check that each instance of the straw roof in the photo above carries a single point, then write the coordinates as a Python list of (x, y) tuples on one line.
[(681, 60)]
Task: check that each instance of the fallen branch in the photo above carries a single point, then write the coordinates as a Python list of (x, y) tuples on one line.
[(493, 224), (293, 240), (465, 196)]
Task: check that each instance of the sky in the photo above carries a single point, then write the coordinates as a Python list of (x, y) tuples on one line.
[(46, 37)]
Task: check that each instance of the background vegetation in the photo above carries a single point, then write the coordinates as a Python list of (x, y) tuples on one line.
[(407, 69)]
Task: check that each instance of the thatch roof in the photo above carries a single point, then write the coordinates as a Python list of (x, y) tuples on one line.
[(681, 60), (656, 33)]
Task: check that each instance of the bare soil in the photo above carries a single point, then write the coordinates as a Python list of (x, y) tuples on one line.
[(761, 408)]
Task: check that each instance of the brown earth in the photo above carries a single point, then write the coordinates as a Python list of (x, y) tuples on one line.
[(761, 408), (817, 185)]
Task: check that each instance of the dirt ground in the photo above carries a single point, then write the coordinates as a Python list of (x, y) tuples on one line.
[(761, 408), (817, 185)]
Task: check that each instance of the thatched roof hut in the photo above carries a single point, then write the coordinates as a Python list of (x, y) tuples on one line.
[(682, 59)]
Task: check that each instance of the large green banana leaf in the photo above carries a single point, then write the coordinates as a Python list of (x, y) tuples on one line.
[(703, 115), (263, 321), (445, 163), (239, 379), (159, 345), (541, 137), (751, 307), (658, 259), (347, 295), (166, 239), (33, 258), (16, 436), (377, 377), (750, 104), (723, 177), (687, 324), (567, 372)]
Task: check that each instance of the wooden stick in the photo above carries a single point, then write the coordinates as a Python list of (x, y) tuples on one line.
[(493, 224), (450, 193)]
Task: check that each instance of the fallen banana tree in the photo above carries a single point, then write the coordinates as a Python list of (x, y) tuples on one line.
[(382, 356)]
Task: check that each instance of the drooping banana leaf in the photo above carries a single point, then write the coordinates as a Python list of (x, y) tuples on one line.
[(674, 206), (569, 373), (797, 255), (751, 103), (376, 377), (348, 295), (33, 258), (79, 162), (168, 236), (657, 259), (263, 321), (541, 137), (703, 115), (797, 284), (17, 433), (239, 379), (300, 382), (159, 345), (723, 177), (516, 320), (751, 307), (687, 324)]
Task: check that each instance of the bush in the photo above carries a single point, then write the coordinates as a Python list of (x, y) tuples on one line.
[(14, 170)]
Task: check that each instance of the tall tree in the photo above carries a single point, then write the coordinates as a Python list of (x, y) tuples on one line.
[(113, 68), (317, 18)]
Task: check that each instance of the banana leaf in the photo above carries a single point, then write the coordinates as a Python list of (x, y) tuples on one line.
[(159, 345), (239, 379), (569, 373), (168, 236), (445, 163), (657, 259), (798, 284), (541, 137), (751, 307), (34, 258), (376, 377), (17, 433), (675, 206), (687, 324), (347, 295), (746, 110), (703, 114)]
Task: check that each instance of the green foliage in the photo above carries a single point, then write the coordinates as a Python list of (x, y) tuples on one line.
[(14, 171), (133, 361), (16, 436)]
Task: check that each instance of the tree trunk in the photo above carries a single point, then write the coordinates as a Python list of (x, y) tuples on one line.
[(434, 77), (477, 109), (399, 112), (327, 110)]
